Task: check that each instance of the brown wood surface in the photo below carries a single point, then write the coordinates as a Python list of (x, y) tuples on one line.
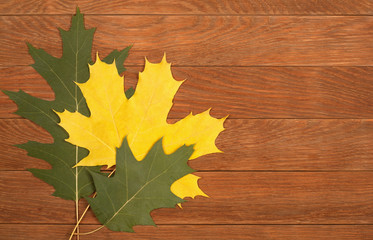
[(268, 7), (197, 232), (235, 198), (205, 40), (241, 92), (248, 144), (295, 76)]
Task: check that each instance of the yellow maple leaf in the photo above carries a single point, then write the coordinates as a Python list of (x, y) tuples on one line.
[(142, 118)]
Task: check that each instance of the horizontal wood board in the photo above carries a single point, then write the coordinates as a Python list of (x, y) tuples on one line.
[(190, 7), (241, 92), (197, 232), (235, 198), (204, 40), (248, 145)]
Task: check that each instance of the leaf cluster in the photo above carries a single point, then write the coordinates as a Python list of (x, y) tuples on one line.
[(136, 188)]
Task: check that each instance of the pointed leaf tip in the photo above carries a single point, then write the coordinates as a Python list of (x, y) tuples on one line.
[(98, 57), (5, 91), (224, 118), (164, 58), (30, 47)]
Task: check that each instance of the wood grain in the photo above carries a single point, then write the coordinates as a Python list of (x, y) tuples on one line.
[(269, 144), (235, 198), (295, 76), (205, 40), (241, 92), (268, 7), (195, 232)]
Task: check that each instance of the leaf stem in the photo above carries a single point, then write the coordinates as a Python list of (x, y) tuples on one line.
[(87, 233), (78, 222), (76, 147), (76, 192), (77, 218), (76, 228)]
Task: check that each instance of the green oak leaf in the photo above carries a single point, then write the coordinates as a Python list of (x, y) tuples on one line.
[(137, 188), (61, 74)]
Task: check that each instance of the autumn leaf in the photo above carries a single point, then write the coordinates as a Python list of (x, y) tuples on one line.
[(137, 188), (142, 118), (62, 74)]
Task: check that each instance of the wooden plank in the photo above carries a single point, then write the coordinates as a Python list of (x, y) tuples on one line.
[(204, 40), (241, 92), (269, 144), (235, 198), (195, 232), (269, 7)]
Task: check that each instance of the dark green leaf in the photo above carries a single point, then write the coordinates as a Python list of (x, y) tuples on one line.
[(62, 176), (61, 74), (119, 57), (129, 93), (137, 188)]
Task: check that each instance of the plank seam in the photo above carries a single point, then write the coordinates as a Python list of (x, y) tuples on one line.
[(196, 14), (232, 118), (206, 224), (232, 66), (250, 171)]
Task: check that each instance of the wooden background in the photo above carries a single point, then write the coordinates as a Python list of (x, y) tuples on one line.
[(296, 77)]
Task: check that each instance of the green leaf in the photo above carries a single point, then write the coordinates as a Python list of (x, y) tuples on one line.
[(62, 176), (119, 57), (129, 93), (137, 188), (61, 74)]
